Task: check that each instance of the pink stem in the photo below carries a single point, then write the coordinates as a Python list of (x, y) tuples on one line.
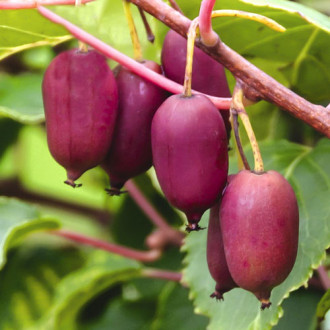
[(34, 4), (161, 274), (132, 65), (146, 206), (208, 36), (152, 213), (144, 256), (324, 278)]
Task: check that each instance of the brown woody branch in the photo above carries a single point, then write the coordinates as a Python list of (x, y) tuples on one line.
[(13, 188), (268, 88)]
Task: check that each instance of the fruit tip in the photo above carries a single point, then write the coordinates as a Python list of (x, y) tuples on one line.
[(265, 303), (217, 295), (115, 191), (71, 183), (193, 227)]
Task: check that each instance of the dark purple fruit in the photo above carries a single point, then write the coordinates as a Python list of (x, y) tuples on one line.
[(216, 259), (80, 100), (189, 148), (208, 75), (130, 151), (260, 222)]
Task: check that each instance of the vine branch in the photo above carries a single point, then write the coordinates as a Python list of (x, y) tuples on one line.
[(162, 274), (172, 235), (144, 256), (268, 88)]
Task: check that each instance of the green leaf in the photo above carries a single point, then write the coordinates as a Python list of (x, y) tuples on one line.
[(17, 220), (299, 310), (175, 311), (123, 315), (29, 279), (9, 132), (101, 271), (106, 20), (308, 172), (20, 98), (24, 29)]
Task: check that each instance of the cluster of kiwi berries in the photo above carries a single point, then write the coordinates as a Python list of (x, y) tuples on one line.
[(125, 124)]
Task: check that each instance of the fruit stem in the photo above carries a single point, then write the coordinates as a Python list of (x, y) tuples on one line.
[(242, 160), (83, 48), (132, 30), (175, 6), (208, 36), (150, 35), (173, 235), (237, 108), (144, 256), (190, 55), (162, 274), (23, 4), (250, 16), (132, 65)]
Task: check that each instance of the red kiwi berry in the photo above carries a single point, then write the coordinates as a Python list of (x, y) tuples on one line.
[(208, 75), (216, 259), (260, 223), (130, 152), (189, 147), (80, 101)]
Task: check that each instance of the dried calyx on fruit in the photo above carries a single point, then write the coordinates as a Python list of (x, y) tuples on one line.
[(216, 259), (260, 223), (130, 152), (80, 100), (208, 75), (189, 147)]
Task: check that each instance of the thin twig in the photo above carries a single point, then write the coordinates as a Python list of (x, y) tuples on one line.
[(238, 142), (172, 235), (175, 6), (150, 35), (144, 256), (13, 188), (162, 274), (237, 107), (132, 30)]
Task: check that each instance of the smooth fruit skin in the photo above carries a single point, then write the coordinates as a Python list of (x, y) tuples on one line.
[(260, 224), (80, 101), (216, 259), (130, 151), (208, 75), (189, 148)]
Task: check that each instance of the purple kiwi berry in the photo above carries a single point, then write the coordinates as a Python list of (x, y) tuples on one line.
[(216, 259), (130, 151), (260, 223), (80, 101), (189, 148), (208, 75)]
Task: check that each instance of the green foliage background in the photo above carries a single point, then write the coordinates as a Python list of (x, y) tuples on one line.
[(50, 283)]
